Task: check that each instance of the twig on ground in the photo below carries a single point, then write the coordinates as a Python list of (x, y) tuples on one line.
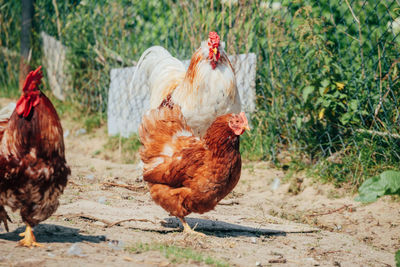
[(330, 212), (126, 186), (277, 261), (229, 203), (106, 222), (73, 183), (130, 220), (83, 216)]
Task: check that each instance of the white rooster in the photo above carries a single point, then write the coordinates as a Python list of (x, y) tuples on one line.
[(206, 90)]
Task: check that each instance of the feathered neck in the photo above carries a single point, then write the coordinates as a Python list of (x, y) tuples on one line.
[(220, 138)]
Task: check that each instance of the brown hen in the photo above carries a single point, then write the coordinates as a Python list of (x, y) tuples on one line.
[(187, 174)]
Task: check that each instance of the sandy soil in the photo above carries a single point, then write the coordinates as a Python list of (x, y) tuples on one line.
[(253, 226)]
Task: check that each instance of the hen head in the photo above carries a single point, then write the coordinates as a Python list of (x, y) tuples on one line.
[(30, 93), (238, 123), (213, 49)]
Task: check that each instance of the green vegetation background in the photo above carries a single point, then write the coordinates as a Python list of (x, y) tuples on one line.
[(327, 73)]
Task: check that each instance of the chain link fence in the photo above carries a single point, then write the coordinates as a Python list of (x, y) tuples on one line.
[(327, 80)]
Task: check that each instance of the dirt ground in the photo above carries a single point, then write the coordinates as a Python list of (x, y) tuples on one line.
[(254, 226)]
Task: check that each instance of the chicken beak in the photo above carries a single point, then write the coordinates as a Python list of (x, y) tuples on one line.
[(245, 125), (215, 50)]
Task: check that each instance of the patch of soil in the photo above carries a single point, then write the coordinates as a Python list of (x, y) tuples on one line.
[(108, 216)]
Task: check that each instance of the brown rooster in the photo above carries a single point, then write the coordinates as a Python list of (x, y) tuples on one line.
[(206, 90), (187, 174), (33, 170)]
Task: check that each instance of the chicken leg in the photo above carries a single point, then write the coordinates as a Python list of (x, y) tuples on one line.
[(29, 239), (4, 217), (187, 229)]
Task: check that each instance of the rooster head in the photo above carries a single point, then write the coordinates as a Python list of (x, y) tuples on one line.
[(238, 123), (30, 93), (213, 46)]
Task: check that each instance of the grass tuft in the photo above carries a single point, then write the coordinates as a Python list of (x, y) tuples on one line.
[(177, 254)]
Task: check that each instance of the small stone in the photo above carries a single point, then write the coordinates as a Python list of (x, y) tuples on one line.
[(76, 250), (258, 263), (66, 133), (116, 244), (80, 131), (102, 200), (275, 184), (51, 255), (90, 176), (253, 240)]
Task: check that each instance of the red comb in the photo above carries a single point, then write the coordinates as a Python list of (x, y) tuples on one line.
[(213, 39), (33, 79)]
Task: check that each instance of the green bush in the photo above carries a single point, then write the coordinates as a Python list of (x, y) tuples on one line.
[(327, 75)]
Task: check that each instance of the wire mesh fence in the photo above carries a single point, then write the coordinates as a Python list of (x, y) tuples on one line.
[(327, 80)]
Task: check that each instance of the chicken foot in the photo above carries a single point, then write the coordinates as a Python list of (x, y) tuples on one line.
[(4, 217), (29, 239), (187, 229)]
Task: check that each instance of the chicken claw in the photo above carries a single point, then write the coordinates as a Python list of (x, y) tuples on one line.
[(4, 217), (29, 239), (187, 229)]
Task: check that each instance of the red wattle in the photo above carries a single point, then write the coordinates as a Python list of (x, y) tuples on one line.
[(26, 102), (20, 107)]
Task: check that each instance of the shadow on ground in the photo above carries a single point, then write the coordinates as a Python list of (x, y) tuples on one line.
[(51, 233), (222, 229)]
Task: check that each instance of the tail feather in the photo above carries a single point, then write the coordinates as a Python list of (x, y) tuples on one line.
[(161, 125), (5, 113), (159, 72)]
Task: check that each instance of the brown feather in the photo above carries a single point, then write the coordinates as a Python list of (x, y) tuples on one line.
[(194, 64)]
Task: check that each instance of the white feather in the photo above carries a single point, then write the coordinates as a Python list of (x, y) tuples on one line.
[(160, 70), (167, 151), (182, 133), (155, 162)]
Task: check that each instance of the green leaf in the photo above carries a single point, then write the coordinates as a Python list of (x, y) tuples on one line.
[(345, 118), (386, 183), (391, 180), (298, 122), (370, 190), (322, 90), (325, 83), (307, 91), (353, 104), (397, 258)]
